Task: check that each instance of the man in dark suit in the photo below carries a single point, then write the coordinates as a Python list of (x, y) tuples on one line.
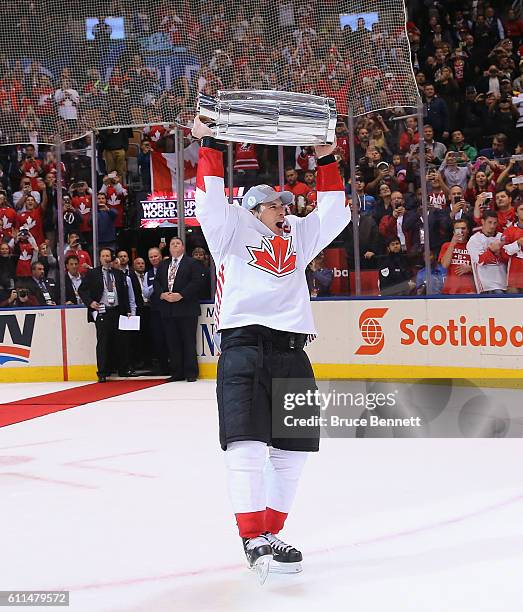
[(178, 284), (132, 338), (104, 291), (73, 280), (45, 290)]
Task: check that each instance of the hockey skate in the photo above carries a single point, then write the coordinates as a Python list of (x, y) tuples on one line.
[(285, 558), (259, 555)]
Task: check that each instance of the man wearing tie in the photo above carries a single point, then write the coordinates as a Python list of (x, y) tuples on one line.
[(104, 291), (45, 290), (178, 284)]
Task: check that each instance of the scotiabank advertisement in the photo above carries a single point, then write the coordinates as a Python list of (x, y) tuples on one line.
[(356, 338), (458, 333)]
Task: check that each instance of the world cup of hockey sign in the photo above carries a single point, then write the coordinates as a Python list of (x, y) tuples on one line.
[(270, 117)]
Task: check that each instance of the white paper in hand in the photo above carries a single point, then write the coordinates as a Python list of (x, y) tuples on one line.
[(129, 323)]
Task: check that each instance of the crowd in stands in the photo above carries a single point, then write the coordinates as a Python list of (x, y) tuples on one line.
[(469, 72)]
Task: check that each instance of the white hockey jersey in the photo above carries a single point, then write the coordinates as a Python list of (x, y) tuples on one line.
[(489, 269), (260, 275)]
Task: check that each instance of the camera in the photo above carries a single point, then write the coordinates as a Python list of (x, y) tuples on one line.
[(23, 293)]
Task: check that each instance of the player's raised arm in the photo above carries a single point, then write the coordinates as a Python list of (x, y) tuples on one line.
[(321, 227), (214, 213)]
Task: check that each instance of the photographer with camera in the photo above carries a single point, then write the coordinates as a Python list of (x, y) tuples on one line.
[(25, 251), (19, 297), (72, 218), (502, 207), (452, 173)]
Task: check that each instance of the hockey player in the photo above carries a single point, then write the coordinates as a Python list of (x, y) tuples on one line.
[(487, 257), (263, 315)]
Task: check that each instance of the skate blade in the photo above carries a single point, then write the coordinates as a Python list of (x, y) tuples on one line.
[(261, 567), (285, 568)]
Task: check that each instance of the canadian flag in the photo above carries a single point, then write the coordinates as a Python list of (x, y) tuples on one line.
[(163, 169)]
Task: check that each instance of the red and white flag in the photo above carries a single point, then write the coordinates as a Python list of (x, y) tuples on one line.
[(163, 169)]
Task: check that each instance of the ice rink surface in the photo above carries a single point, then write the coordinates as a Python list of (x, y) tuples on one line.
[(123, 502)]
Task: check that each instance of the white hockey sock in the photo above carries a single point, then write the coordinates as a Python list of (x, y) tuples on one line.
[(282, 474), (245, 462)]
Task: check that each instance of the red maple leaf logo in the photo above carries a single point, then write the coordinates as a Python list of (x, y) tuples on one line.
[(276, 256)]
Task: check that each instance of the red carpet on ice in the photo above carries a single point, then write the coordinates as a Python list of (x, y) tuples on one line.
[(33, 407)]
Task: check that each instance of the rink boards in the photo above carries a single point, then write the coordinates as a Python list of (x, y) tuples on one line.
[(396, 338)]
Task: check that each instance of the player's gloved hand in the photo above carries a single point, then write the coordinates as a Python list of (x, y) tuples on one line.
[(326, 149), (199, 129)]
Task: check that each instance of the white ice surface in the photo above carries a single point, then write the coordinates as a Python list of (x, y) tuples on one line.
[(123, 502)]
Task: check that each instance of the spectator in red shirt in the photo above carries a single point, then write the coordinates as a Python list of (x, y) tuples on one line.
[(246, 166), (25, 190), (455, 258), (513, 249), (293, 185), (502, 207), (410, 136), (309, 178), (116, 195), (82, 202), (513, 26), (391, 224), (73, 247), (7, 216), (26, 251), (33, 218), (31, 167)]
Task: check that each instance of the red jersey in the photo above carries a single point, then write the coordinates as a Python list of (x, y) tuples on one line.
[(342, 148), (83, 258), (116, 195), (32, 220), (32, 169), (44, 101), (23, 265), (297, 189), (505, 218), (455, 284), (8, 218), (51, 169), (245, 157), (155, 133), (514, 255), (82, 203)]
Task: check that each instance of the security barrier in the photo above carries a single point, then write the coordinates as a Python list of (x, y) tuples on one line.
[(469, 337)]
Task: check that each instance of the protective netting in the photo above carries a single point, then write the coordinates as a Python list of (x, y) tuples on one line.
[(68, 67)]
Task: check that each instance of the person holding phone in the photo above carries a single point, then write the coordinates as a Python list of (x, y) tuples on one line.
[(455, 258), (452, 173)]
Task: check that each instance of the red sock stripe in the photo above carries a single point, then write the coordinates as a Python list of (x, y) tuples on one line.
[(251, 524), (209, 164), (274, 520), (328, 178)]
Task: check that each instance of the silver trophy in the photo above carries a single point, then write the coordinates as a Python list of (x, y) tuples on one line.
[(270, 117)]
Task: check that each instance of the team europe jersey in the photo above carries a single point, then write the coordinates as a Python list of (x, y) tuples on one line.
[(260, 275)]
